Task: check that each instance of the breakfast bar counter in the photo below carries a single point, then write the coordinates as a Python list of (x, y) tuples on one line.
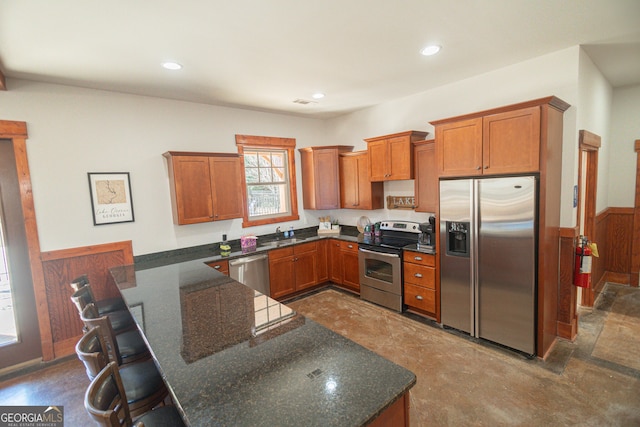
[(233, 356)]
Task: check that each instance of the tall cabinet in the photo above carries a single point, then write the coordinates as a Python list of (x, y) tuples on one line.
[(524, 138), (321, 176)]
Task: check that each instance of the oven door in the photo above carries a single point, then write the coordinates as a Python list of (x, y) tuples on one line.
[(381, 278)]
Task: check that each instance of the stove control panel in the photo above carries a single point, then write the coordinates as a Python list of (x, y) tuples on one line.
[(406, 226)]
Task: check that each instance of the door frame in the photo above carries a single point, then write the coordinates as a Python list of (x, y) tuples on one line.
[(588, 144), (17, 133), (635, 245)]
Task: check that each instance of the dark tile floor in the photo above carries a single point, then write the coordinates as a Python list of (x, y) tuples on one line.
[(594, 381)]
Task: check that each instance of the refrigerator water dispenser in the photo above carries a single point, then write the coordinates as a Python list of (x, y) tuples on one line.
[(458, 239)]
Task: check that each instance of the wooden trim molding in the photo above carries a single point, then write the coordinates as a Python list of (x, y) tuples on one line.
[(589, 140), (270, 142), (567, 293), (589, 145), (635, 249), (17, 132), (552, 101)]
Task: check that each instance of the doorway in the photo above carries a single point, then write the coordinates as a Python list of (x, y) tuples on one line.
[(589, 144), (22, 340)]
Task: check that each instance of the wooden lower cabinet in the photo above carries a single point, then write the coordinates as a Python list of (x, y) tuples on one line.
[(292, 269), (421, 290), (344, 264), (396, 415), (222, 266), (322, 260)]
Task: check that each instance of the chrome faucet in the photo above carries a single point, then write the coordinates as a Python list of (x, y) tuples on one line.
[(277, 230)]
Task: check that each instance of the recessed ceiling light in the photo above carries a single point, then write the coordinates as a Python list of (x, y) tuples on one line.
[(172, 65), (430, 50), (318, 95)]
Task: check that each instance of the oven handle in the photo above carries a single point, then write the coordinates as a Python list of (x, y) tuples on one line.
[(384, 254)]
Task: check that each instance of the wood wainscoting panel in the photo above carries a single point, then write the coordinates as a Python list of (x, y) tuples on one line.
[(619, 240), (60, 268)]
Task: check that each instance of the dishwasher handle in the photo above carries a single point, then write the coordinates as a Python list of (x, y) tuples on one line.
[(247, 259)]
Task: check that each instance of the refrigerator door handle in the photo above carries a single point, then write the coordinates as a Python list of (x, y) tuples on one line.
[(475, 288)]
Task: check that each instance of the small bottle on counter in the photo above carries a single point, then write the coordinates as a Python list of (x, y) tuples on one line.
[(225, 248), (286, 234), (291, 234)]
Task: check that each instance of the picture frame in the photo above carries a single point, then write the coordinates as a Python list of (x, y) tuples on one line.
[(111, 200)]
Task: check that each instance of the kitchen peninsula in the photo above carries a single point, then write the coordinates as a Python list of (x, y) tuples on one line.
[(232, 356)]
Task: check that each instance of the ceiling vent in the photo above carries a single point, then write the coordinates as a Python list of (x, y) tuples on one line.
[(303, 101)]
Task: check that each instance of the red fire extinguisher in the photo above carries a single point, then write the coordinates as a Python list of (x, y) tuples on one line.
[(582, 271)]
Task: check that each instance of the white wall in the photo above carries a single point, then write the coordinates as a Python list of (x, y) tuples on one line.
[(594, 115), (73, 131), (552, 74), (625, 130)]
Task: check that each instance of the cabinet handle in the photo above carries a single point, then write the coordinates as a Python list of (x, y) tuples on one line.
[(417, 258), (419, 297), (418, 275), (350, 246), (486, 167), (478, 168), (217, 267)]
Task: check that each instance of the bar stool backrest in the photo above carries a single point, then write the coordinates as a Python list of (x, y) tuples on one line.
[(91, 320), (91, 351), (105, 399), (82, 297), (79, 282)]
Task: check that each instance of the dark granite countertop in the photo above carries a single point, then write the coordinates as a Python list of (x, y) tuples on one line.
[(232, 356), (212, 253), (421, 248)]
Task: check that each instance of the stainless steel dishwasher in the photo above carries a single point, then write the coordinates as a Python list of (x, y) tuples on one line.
[(252, 271)]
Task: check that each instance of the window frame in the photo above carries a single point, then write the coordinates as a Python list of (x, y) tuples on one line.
[(269, 143)]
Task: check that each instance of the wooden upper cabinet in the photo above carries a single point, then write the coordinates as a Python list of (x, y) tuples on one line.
[(511, 141), (320, 176), (356, 191), (459, 148), (426, 176), (226, 181), (204, 187), (391, 156), (501, 143)]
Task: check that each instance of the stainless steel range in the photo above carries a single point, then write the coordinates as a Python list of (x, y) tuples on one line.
[(380, 261)]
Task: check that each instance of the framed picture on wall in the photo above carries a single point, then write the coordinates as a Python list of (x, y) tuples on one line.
[(110, 197)]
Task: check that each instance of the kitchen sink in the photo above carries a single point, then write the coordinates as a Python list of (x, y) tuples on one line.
[(282, 242)]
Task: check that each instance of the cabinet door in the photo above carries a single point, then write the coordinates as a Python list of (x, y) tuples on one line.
[(192, 189), (426, 178), (511, 142), (325, 164), (221, 266), (226, 179), (305, 270), (281, 276), (322, 260), (349, 182), (351, 271), (459, 148), (336, 261), (378, 160), (401, 159)]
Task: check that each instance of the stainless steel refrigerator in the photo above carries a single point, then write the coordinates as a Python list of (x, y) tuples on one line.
[(488, 258)]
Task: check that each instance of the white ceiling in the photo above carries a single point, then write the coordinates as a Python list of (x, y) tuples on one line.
[(264, 54)]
